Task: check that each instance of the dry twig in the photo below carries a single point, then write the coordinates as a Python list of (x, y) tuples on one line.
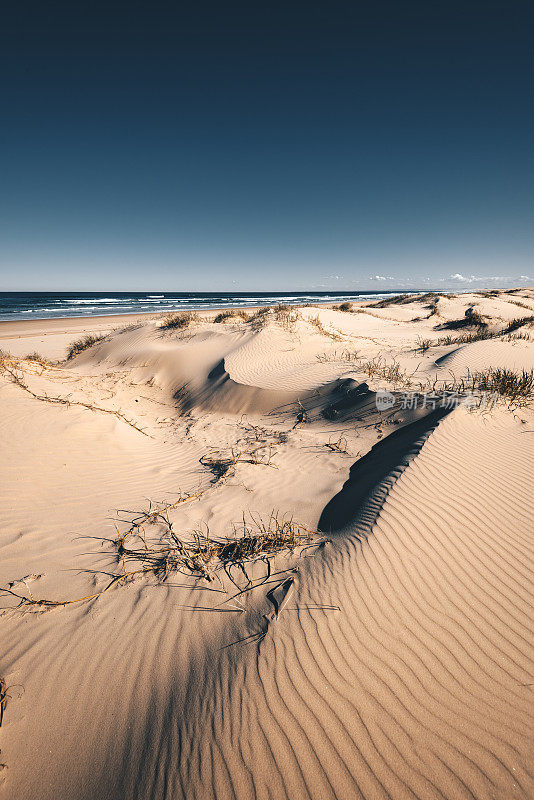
[(8, 367)]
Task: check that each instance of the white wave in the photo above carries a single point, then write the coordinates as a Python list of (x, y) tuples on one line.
[(99, 300)]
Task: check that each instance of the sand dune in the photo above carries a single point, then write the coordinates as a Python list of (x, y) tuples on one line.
[(391, 655), (516, 355)]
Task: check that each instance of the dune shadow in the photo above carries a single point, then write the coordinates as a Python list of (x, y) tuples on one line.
[(372, 476)]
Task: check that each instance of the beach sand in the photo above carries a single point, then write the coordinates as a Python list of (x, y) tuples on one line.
[(381, 648)]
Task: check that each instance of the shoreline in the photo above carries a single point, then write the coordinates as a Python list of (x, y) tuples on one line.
[(157, 314), (21, 329), (77, 320), (52, 336)]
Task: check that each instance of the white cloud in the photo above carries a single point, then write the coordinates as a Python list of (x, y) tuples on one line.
[(482, 281)]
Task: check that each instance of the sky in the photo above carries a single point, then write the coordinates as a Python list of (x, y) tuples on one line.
[(266, 146)]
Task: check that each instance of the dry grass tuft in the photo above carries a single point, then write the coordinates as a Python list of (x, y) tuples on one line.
[(231, 314), (404, 299), (332, 334), (286, 316), (82, 344), (390, 372), (131, 326), (222, 464), (38, 359), (514, 337), (517, 387), (422, 345), (347, 307), (154, 515), (156, 549), (201, 556), (344, 355), (399, 299), (483, 333), (466, 338), (261, 317), (515, 324), (179, 321), (338, 445)]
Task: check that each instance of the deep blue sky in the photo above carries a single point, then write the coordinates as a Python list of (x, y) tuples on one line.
[(266, 146)]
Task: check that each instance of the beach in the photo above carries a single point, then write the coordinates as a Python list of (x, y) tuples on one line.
[(279, 552)]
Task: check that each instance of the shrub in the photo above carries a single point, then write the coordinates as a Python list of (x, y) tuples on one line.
[(471, 319)]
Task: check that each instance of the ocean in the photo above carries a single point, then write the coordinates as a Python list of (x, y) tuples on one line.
[(57, 305)]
